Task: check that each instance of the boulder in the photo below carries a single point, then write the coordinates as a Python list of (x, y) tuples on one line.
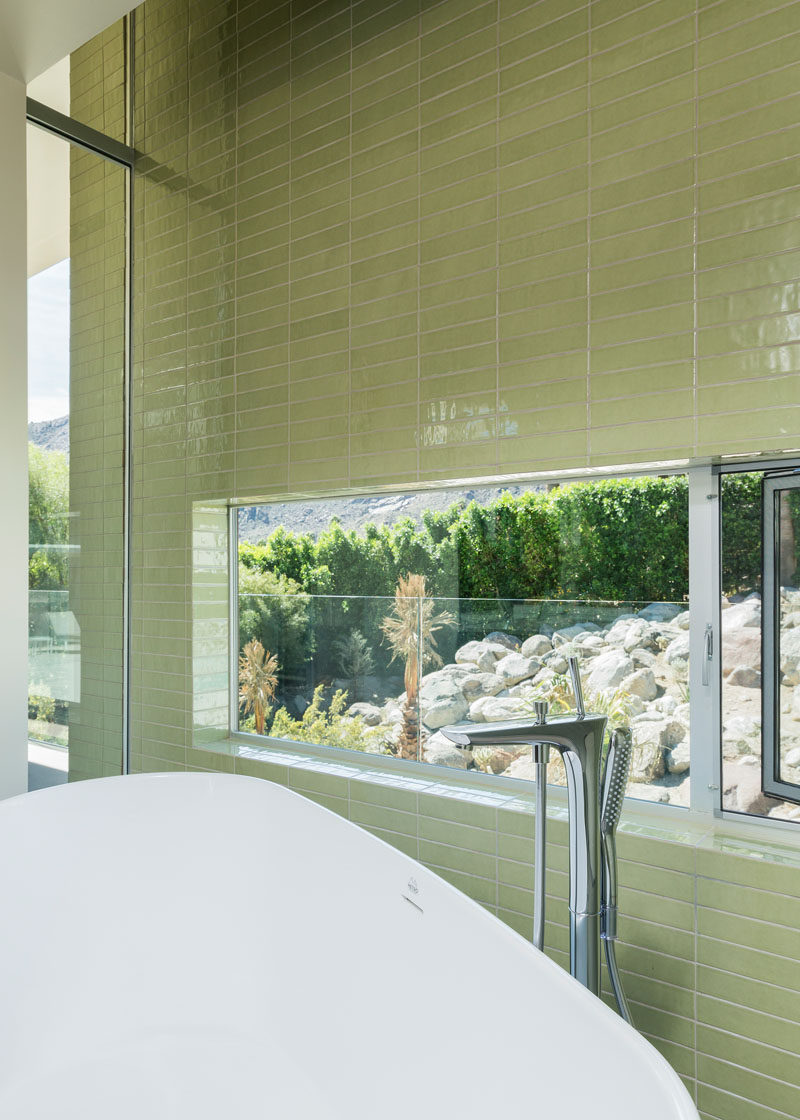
[(746, 614), (615, 635), (743, 726), (790, 656), (503, 639), (481, 684), (681, 620), (741, 645), (608, 671), (742, 789), (647, 761), (636, 706), (652, 739), (441, 752), (680, 794), (640, 635), (643, 658), (668, 733), (568, 633), (391, 712), (666, 704), (791, 621), (641, 683), (556, 663), (441, 701), (492, 709), (741, 737), (482, 654), (370, 713), (522, 767), (591, 644), (660, 612), (676, 655), (514, 667), (793, 757), (544, 676), (745, 677), (493, 760), (536, 646), (677, 759)]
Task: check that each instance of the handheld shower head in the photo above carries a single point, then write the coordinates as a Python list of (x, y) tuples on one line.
[(612, 794), (615, 779)]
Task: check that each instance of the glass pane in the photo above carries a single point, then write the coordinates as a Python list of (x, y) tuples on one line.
[(386, 673), (76, 380), (741, 618), (788, 637), (332, 670)]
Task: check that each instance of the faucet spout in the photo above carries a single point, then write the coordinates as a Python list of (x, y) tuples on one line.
[(580, 742)]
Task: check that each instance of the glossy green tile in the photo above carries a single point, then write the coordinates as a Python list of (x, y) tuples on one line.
[(752, 1086), (719, 40), (472, 19), (755, 1025)]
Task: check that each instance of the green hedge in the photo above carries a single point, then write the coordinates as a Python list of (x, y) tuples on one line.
[(617, 540)]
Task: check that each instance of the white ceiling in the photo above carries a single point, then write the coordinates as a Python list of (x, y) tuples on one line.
[(48, 175), (35, 34)]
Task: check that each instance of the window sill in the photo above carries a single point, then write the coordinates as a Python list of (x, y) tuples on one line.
[(770, 841)]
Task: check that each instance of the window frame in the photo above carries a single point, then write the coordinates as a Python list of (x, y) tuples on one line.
[(705, 629), (772, 484), (124, 156)]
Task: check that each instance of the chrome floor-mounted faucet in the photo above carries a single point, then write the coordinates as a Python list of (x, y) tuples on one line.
[(594, 806)]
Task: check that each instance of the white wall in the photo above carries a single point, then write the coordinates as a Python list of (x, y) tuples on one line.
[(13, 443), (48, 175)]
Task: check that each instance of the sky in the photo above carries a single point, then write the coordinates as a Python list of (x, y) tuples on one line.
[(48, 343)]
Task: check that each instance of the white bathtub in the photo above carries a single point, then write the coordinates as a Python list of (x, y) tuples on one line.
[(198, 947)]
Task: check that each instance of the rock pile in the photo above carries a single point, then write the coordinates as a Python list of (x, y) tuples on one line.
[(643, 658)]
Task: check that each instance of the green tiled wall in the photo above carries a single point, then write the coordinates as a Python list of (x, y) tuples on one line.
[(97, 385), (385, 244)]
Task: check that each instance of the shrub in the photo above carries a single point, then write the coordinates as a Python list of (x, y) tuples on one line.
[(741, 532), (328, 728), (355, 658), (258, 679), (617, 539), (48, 520), (274, 610), (41, 705), (624, 539)]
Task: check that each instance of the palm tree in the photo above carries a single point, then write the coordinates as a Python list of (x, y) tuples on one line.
[(410, 630), (258, 679)]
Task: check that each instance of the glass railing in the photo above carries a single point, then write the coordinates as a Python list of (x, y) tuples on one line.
[(53, 665), (383, 675)]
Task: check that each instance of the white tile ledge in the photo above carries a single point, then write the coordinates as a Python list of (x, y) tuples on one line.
[(769, 841)]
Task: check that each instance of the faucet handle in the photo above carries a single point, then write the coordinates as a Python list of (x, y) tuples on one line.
[(541, 708)]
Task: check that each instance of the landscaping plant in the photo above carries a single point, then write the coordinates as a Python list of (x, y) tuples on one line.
[(410, 631)]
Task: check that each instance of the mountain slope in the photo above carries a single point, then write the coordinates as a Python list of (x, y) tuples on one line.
[(312, 516), (51, 435)]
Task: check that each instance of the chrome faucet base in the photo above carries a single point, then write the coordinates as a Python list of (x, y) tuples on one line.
[(580, 743)]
